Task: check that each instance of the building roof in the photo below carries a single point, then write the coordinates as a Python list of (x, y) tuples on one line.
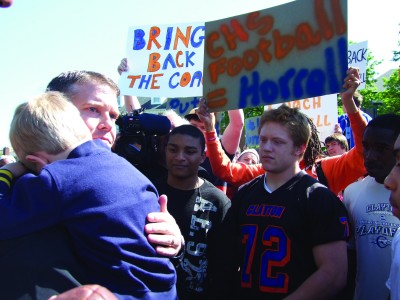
[(379, 79)]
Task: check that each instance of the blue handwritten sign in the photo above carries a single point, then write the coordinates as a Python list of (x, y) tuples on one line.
[(183, 106), (292, 51), (251, 131), (166, 61)]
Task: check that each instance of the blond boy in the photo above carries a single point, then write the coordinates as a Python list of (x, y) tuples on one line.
[(81, 185)]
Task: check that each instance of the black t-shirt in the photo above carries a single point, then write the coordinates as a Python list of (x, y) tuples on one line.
[(198, 214)]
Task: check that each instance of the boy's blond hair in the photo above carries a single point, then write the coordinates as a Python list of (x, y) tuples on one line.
[(49, 123)]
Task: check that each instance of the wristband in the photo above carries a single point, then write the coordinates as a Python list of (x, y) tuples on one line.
[(211, 136)]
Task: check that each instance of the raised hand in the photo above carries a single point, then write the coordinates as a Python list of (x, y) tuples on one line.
[(351, 83), (123, 66), (205, 116)]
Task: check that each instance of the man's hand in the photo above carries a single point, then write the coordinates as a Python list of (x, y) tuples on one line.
[(337, 128), (162, 231), (205, 116), (86, 292), (351, 83), (123, 66)]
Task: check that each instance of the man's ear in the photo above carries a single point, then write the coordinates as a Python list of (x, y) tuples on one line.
[(203, 156), (300, 150)]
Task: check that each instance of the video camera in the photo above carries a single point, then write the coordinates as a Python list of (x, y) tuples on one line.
[(138, 136)]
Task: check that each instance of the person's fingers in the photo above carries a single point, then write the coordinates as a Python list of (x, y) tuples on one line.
[(167, 251), (123, 66), (163, 201), (161, 225), (351, 81), (86, 292), (168, 240)]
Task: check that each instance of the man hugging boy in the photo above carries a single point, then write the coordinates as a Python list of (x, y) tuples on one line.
[(97, 196)]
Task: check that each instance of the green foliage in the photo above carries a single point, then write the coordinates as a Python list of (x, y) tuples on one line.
[(391, 95), (224, 121), (248, 113), (253, 111), (369, 92)]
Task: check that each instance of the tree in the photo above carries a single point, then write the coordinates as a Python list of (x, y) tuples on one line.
[(248, 113), (369, 93), (391, 95)]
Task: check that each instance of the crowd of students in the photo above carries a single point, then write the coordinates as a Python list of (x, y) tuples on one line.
[(78, 221)]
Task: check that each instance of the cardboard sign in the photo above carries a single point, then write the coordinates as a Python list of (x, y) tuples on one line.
[(166, 61), (251, 131), (357, 57), (182, 106), (292, 51)]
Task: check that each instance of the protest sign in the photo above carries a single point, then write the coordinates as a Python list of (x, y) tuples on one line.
[(357, 57), (292, 51), (165, 61), (183, 106), (251, 131)]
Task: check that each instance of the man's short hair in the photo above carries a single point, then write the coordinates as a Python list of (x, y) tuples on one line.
[(387, 121), (66, 81), (192, 131), (293, 119), (192, 115), (339, 138)]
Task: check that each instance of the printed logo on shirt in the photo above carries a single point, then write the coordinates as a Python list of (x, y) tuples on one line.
[(379, 207), (195, 262), (264, 210)]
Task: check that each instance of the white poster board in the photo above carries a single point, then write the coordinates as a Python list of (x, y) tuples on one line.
[(165, 61), (357, 56)]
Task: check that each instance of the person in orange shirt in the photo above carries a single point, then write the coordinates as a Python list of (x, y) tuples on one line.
[(335, 172)]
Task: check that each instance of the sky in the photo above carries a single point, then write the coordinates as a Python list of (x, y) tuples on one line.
[(42, 38)]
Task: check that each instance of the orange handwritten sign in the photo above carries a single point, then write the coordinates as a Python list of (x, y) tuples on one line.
[(292, 51), (166, 61)]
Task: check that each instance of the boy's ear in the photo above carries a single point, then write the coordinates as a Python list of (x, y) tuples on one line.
[(38, 160)]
